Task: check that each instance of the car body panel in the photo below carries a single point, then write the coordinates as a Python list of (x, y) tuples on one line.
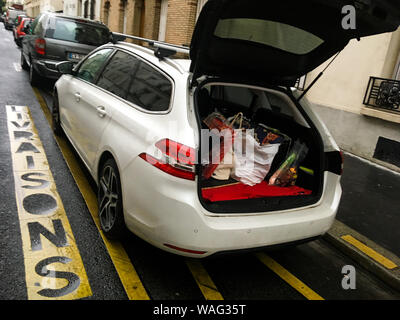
[(174, 215)]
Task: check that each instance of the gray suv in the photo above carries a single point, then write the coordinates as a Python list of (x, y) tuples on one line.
[(53, 37)]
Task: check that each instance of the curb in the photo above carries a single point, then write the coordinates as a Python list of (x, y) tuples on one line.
[(390, 276)]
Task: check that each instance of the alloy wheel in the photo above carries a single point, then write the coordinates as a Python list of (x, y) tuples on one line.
[(108, 198)]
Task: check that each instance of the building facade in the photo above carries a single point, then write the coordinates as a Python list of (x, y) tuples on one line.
[(83, 8), (165, 20), (34, 7), (9, 3), (358, 98)]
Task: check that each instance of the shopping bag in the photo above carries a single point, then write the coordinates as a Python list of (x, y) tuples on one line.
[(216, 121), (286, 174), (252, 161), (223, 170)]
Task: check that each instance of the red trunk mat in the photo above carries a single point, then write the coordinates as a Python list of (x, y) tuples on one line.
[(238, 191)]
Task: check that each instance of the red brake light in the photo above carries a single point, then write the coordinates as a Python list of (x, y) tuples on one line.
[(177, 159), (181, 153), (40, 46), (168, 168)]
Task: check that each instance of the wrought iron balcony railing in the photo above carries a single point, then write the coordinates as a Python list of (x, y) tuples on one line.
[(383, 94)]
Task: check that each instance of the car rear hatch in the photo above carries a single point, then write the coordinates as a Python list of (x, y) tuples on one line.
[(72, 39), (279, 41), (238, 45)]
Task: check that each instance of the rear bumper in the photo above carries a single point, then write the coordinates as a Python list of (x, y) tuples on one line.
[(163, 209), (46, 68)]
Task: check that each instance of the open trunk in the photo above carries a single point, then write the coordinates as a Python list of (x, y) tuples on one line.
[(274, 43), (275, 109)]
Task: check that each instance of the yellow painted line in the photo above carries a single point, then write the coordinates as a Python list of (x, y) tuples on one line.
[(203, 280), (126, 271), (370, 252), (53, 265), (288, 277)]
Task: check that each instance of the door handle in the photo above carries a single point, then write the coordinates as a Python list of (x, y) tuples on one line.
[(101, 111), (77, 96)]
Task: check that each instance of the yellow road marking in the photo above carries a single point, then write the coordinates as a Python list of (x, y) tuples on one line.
[(126, 271), (369, 252), (203, 280), (288, 277), (53, 265)]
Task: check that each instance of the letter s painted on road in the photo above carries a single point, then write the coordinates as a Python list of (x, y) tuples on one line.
[(72, 278)]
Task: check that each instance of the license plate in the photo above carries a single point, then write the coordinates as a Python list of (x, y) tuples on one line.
[(76, 56)]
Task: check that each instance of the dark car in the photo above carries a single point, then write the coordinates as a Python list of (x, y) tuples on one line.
[(54, 37)]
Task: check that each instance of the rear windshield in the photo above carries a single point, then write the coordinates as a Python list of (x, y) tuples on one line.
[(275, 34), (74, 31), (14, 13)]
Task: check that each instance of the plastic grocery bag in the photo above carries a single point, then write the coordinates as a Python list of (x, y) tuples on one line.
[(218, 152), (252, 161), (286, 174)]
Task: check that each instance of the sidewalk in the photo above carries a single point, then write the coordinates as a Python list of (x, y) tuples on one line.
[(368, 219)]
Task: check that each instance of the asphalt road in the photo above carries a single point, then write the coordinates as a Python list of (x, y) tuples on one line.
[(164, 276)]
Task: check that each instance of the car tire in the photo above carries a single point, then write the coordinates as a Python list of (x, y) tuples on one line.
[(55, 117), (33, 76), (109, 197), (24, 65)]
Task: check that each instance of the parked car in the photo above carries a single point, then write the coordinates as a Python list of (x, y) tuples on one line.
[(11, 15), (17, 21), (56, 37), (19, 31), (137, 119)]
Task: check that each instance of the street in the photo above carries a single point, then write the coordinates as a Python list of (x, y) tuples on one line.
[(136, 270)]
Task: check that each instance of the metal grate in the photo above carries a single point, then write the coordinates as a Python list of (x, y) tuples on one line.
[(383, 94)]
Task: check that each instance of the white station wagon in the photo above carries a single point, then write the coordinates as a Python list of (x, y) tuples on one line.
[(136, 117)]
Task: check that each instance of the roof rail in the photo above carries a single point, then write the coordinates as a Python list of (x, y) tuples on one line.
[(162, 49)]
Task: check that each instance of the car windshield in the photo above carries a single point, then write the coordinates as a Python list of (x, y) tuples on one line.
[(74, 31)]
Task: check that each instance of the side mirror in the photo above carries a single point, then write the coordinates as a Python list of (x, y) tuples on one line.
[(65, 67)]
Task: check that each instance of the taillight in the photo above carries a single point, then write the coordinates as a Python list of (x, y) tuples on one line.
[(40, 46), (177, 159), (334, 162), (179, 152)]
